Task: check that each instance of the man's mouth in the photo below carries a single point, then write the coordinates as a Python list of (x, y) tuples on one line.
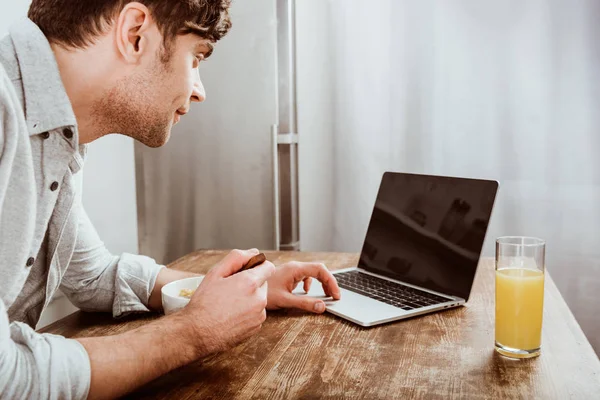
[(178, 115)]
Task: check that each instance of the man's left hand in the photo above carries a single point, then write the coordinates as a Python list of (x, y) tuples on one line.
[(289, 275)]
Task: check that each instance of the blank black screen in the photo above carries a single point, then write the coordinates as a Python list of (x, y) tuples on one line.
[(429, 230)]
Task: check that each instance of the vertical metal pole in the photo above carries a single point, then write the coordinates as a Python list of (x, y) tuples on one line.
[(287, 142)]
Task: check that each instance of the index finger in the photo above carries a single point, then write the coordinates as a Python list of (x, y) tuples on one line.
[(319, 271)]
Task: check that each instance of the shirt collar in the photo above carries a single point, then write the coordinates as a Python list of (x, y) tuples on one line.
[(46, 103)]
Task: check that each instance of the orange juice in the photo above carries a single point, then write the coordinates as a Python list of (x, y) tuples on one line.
[(519, 308)]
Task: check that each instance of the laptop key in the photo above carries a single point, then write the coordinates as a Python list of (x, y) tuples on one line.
[(388, 292)]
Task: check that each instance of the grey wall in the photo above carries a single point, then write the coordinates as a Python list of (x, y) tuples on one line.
[(315, 124)]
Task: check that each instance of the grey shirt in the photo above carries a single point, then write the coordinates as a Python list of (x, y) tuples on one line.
[(46, 239)]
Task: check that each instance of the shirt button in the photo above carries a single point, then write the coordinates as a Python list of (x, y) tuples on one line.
[(30, 261), (45, 135), (54, 186), (68, 133)]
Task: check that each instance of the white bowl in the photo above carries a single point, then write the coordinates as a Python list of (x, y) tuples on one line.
[(171, 300)]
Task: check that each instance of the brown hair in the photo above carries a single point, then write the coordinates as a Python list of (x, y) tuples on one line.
[(75, 23)]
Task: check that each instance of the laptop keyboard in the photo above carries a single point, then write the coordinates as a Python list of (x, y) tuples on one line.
[(395, 294)]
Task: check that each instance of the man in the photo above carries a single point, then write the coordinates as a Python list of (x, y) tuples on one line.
[(70, 74)]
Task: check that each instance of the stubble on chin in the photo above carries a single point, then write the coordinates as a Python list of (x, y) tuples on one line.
[(127, 109)]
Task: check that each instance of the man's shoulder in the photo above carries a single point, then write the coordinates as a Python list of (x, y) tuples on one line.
[(10, 77), (8, 99), (12, 117), (8, 59)]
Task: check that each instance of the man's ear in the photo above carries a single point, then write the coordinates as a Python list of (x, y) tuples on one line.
[(134, 32)]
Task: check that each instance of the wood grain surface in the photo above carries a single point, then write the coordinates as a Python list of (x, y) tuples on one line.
[(447, 355)]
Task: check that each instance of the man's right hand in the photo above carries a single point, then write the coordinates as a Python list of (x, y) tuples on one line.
[(227, 308)]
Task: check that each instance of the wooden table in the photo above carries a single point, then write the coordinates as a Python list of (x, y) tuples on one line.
[(444, 355)]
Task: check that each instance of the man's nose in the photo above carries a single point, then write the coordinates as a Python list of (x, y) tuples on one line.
[(198, 93)]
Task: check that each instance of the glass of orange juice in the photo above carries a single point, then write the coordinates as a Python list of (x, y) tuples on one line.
[(520, 267)]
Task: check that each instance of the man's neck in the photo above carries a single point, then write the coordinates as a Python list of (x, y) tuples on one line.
[(86, 75)]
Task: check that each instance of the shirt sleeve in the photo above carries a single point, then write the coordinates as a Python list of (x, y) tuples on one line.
[(40, 366), (97, 280)]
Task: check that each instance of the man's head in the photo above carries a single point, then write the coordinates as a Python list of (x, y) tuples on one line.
[(142, 59)]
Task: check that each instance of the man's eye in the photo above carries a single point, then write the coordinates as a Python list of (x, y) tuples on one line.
[(197, 60)]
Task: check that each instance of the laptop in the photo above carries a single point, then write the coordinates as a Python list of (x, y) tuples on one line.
[(421, 250)]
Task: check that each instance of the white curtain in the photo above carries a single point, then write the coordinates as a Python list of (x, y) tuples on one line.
[(507, 90)]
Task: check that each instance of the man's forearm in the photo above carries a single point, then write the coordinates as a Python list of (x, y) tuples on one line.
[(166, 275), (121, 363)]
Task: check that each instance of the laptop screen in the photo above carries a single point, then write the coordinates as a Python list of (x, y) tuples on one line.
[(429, 230)]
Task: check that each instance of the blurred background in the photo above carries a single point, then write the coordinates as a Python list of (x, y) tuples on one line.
[(310, 101)]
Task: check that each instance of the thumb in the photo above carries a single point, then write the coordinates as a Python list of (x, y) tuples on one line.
[(233, 262), (306, 303)]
